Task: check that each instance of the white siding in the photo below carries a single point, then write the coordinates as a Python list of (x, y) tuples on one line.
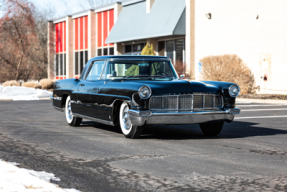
[(234, 29)]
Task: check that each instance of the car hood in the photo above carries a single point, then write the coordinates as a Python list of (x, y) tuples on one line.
[(176, 86)]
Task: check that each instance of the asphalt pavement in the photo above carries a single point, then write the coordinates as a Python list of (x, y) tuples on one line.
[(249, 154)]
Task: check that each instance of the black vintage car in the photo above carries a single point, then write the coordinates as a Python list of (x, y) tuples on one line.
[(133, 91)]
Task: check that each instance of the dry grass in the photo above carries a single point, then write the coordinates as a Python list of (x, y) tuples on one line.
[(228, 68), (32, 85), (47, 83), (11, 83)]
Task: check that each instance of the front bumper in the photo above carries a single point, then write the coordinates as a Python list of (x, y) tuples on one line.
[(140, 118)]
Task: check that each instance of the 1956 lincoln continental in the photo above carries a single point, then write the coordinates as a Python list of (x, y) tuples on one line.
[(133, 91)]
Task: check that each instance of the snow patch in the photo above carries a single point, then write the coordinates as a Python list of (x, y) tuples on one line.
[(22, 93), (44, 175), (13, 163), (13, 178)]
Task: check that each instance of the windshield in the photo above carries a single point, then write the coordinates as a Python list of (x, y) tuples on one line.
[(130, 69)]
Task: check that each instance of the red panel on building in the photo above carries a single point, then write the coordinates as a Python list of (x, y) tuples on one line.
[(60, 37), (105, 27), (65, 39), (86, 32), (111, 21), (81, 33), (76, 34), (99, 29), (56, 38)]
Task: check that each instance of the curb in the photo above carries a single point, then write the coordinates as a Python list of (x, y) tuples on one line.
[(267, 101), (44, 98), (40, 99)]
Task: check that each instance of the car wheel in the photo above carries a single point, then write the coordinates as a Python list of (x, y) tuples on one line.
[(71, 119), (129, 130), (211, 129)]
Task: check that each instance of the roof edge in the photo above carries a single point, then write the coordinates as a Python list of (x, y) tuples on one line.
[(140, 38)]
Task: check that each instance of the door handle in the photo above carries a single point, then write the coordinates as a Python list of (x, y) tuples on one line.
[(81, 84)]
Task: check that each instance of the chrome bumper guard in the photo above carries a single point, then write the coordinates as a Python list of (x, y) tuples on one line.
[(140, 118)]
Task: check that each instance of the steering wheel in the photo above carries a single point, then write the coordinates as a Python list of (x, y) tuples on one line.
[(163, 73)]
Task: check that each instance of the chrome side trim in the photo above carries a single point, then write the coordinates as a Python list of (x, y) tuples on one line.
[(95, 119), (78, 102), (56, 98), (94, 104), (58, 108)]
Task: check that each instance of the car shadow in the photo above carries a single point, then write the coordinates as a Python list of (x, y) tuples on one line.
[(236, 129), (101, 126)]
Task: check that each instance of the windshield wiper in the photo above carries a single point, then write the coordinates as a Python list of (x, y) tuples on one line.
[(136, 76), (161, 76)]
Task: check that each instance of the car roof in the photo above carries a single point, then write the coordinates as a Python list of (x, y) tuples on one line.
[(129, 57)]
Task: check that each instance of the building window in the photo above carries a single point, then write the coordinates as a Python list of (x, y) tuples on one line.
[(60, 49), (174, 49), (105, 23), (60, 66), (161, 48), (128, 48), (99, 52), (179, 49), (134, 49), (169, 49), (105, 51), (111, 51), (81, 45), (81, 58)]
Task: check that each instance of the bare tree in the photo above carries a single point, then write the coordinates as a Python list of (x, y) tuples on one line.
[(23, 41)]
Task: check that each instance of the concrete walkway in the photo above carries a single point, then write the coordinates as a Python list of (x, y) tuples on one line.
[(267, 101)]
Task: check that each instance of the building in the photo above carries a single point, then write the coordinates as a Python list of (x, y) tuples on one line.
[(184, 30)]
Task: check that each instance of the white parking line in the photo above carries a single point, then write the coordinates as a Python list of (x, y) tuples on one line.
[(259, 105), (260, 117), (277, 109)]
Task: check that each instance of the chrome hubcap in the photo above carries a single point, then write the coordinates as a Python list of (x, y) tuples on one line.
[(126, 118), (69, 111)]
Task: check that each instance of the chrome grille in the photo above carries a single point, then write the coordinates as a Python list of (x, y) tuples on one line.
[(186, 102), (208, 101), (218, 101), (198, 102), (156, 103)]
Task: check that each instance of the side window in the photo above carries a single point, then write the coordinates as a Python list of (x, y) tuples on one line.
[(96, 70), (161, 68)]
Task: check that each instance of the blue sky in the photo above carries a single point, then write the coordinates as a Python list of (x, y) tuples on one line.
[(61, 7), (66, 7)]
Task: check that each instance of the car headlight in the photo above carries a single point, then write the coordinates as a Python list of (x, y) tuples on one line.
[(144, 92), (234, 90)]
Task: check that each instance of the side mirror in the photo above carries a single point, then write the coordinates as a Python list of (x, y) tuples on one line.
[(182, 76)]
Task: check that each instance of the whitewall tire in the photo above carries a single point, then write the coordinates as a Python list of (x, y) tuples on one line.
[(128, 129), (71, 119)]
